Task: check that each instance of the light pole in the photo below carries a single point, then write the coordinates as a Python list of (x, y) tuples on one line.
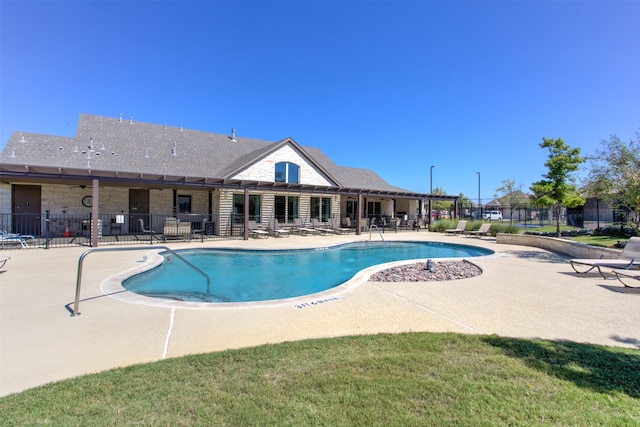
[(430, 192), (431, 179), (478, 194)]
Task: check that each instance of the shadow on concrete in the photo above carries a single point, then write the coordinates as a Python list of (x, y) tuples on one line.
[(548, 257), (621, 290), (598, 368), (631, 341), (69, 306)]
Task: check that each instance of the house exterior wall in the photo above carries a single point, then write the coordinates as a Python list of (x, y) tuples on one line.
[(5, 198), (265, 170)]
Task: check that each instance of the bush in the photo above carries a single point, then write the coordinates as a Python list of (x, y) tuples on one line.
[(443, 224), (503, 228)]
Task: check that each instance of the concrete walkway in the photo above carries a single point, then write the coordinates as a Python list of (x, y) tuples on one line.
[(523, 292)]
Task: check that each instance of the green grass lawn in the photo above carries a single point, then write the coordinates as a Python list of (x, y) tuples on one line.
[(392, 380)]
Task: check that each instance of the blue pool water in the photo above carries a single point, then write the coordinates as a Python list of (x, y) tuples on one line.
[(260, 275)]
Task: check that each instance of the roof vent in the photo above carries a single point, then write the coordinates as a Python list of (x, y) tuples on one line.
[(120, 118), (180, 127), (13, 154), (146, 153), (75, 150), (22, 140), (233, 135), (130, 120), (174, 151)]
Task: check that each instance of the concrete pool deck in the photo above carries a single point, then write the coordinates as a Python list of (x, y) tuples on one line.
[(523, 292)]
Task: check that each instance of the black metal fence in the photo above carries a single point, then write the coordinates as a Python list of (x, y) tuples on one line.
[(58, 230)]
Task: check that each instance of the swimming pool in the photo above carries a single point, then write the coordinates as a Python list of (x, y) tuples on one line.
[(261, 275)]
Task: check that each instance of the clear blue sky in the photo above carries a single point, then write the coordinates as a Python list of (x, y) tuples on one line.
[(391, 86)]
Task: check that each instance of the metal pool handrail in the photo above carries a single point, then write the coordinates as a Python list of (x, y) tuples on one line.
[(371, 229), (137, 248)]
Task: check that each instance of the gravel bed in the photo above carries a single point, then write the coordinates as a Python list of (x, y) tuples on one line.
[(441, 270)]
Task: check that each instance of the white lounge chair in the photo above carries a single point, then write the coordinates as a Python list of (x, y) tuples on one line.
[(299, 228), (15, 239), (321, 227), (482, 231), (627, 274), (339, 230), (458, 230), (628, 258), (276, 230), (257, 231)]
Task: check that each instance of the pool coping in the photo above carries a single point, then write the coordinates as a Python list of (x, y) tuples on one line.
[(112, 285)]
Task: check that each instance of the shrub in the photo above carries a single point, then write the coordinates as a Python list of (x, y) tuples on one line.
[(503, 228)]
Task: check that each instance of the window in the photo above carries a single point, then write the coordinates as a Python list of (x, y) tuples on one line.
[(184, 204), (320, 208), (326, 208), (314, 207), (285, 208), (373, 208), (287, 172), (352, 209), (292, 208), (279, 208), (238, 208)]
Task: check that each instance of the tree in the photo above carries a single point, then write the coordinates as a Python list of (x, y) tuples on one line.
[(440, 205), (614, 176), (512, 196), (558, 188)]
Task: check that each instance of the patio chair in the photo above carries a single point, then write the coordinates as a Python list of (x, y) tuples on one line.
[(458, 230), (339, 230), (627, 259), (317, 225), (15, 239), (144, 230), (627, 274), (276, 230), (482, 231), (257, 231), (298, 227)]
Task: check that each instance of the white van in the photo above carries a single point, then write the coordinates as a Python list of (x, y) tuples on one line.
[(493, 215)]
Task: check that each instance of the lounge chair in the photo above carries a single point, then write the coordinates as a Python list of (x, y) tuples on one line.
[(298, 227), (321, 227), (276, 230), (15, 239), (3, 260), (628, 258), (339, 230), (627, 274), (257, 231), (458, 230), (482, 231)]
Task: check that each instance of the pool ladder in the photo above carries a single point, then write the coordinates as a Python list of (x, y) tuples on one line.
[(370, 229), (137, 248)]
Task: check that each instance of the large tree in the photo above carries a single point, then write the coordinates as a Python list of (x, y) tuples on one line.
[(558, 188), (511, 195), (614, 176)]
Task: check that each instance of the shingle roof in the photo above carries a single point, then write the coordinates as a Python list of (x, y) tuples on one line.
[(124, 146)]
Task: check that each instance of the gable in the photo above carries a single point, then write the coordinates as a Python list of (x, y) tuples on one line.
[(264, 169)]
